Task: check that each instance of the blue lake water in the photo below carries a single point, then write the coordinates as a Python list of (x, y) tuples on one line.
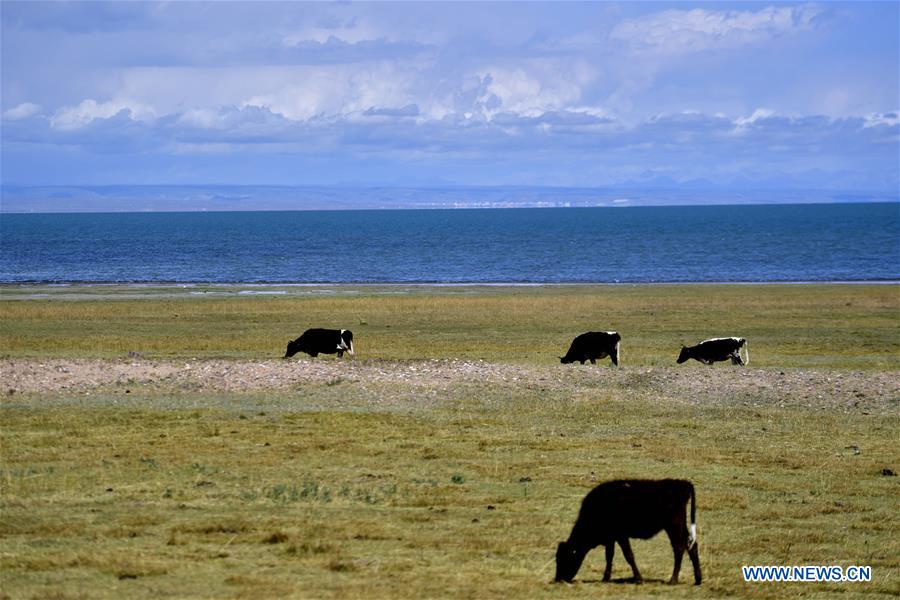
[(824, 242)]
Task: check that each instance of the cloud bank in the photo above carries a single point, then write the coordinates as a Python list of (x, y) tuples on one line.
[(570, 95)]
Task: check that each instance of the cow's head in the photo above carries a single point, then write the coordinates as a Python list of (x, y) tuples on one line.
[(685, 354), (293, 347), (568, 560), (566, 360)]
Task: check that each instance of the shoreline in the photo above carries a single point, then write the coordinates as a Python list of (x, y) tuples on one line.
[(136, 290), (196, 290), (263, 284)]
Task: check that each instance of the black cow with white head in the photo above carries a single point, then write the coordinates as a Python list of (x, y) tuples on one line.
[(715, 350), (593, 345), (322, 341)]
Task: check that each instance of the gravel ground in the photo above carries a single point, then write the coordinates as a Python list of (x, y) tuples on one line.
[(877, 392)]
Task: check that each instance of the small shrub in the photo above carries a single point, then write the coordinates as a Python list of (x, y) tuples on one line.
[(308, 548), (342, 566), (278, 537)]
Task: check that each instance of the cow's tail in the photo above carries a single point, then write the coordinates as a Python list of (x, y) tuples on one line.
[(746, 348), (692, 536)]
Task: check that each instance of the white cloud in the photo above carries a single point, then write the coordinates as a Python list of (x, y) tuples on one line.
[(350, 32), (682, 31), (75, 117), (22, 111), (337, 91), (759, 113), (535, 88), (875, 119), (202, 118)]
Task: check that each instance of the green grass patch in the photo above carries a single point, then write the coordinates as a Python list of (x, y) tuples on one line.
[(843, 326), (463, 501)]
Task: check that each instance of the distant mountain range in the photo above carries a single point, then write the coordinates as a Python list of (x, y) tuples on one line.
[(180, 198)]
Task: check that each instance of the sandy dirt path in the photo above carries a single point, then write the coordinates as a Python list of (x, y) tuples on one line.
[(825, 388)]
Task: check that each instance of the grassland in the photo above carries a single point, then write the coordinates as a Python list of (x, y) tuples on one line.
[(788, 326), (361, 479)]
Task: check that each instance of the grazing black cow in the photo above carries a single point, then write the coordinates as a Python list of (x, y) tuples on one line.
[(593, 345), (635, 508), (717, 349), (322, 341)]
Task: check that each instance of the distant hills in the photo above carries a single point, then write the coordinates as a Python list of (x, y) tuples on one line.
[(180, 198)]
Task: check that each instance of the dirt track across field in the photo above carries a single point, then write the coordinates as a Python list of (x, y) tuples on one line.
[(718, 385)]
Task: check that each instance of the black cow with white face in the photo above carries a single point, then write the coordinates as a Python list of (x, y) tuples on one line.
[(322, 341), (715, 350), (593, 345), (615, 511)]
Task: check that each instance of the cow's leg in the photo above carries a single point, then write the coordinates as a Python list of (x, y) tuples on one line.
[(340, 353), (694, 554), (610, 551), (736, 358), (678, 538), (582, 361), (629, 556), (314, 354), (593, 361)]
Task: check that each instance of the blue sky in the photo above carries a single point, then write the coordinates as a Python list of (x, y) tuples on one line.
[(740, 95)]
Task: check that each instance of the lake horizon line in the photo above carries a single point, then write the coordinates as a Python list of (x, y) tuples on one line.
[(442, 208), (279, 198)]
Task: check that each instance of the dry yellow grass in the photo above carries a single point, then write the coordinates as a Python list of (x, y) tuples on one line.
[(460, 501), (337, 487), (803, 325)]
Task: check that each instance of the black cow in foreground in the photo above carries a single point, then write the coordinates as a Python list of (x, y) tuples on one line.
[(615, 511), (322, 341), (715, 350), (593, 345)]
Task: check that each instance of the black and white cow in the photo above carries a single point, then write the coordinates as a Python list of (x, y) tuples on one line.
[(615, 511), (322, 341), (717, 349), (593, 345)]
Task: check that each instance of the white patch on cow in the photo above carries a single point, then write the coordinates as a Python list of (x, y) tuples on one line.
[(736, 339), (692, 539), (611, 332), (343, 345), (618, 355)]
